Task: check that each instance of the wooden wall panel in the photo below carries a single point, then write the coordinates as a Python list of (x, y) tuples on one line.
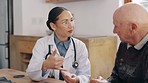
[(102, 51)]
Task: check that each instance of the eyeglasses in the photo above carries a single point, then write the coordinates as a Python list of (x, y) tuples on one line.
[(66, 21)]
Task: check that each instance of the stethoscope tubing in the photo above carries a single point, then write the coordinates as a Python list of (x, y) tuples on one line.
[(75, 63)]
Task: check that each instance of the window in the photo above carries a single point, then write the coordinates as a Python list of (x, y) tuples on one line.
[(142, 2)]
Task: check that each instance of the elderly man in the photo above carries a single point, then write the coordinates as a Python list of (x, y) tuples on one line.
[(131, 64)]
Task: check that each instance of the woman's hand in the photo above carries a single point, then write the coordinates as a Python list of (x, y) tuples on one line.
[(98, 80), (53, 62), (69, 78)]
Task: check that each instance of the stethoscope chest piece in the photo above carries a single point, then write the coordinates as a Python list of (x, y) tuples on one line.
[(75, 64)]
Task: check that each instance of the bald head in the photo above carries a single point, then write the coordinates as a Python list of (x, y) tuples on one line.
[(131, 23), (131, 13)]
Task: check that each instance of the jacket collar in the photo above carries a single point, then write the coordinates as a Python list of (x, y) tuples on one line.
[(141, 43)]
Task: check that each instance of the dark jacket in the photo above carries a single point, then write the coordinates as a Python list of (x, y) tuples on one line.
[(131, 65)]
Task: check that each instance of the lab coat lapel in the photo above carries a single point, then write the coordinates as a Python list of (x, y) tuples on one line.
[(69, 58), (51, 42), (70, 51)]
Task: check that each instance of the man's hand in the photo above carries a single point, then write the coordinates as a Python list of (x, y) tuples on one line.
[(69, 78)]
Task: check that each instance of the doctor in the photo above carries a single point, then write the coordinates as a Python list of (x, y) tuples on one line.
[(59, 55)]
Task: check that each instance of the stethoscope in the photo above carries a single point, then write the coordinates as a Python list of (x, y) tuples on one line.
[(75, 63)]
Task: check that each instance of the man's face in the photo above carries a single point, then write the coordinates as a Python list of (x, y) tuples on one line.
[(121, 28)]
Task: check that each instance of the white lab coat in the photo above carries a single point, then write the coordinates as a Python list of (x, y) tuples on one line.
[(41, 49)]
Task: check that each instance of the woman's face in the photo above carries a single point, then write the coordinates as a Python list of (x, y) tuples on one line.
[(64, 26)]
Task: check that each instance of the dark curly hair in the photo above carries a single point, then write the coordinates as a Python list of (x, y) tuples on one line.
[(53, 14)]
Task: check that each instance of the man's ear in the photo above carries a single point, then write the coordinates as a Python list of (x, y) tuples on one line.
[(53, 26), (133, 27)]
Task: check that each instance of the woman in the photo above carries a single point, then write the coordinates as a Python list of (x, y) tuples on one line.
[(60, 55)]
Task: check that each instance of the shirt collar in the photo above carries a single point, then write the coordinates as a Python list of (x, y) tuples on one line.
[(66, 43), (141, 43)]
